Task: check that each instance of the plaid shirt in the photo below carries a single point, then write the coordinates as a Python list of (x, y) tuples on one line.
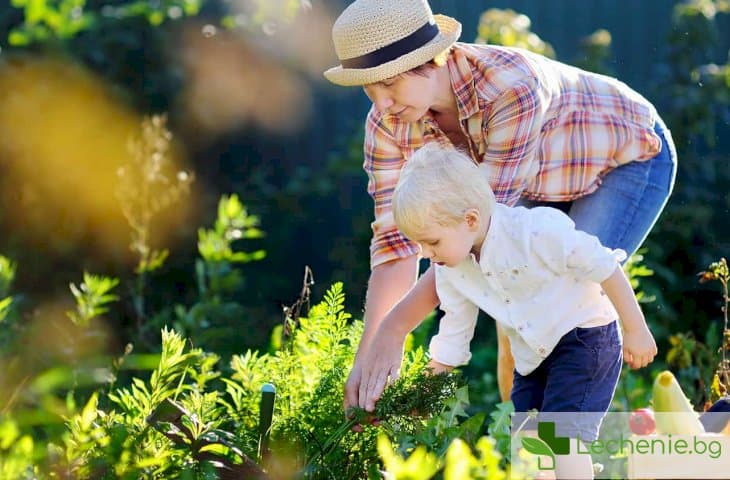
[(548, 130)]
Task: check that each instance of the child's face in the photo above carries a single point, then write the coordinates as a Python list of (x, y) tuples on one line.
[(447, 246)]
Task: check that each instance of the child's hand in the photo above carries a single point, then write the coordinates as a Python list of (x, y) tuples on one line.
[(437, 367), (639, 347)]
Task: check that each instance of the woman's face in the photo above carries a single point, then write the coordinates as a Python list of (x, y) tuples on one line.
[(407, 96)]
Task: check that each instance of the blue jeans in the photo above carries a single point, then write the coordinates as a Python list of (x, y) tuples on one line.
[(623, 210), (579, 377)]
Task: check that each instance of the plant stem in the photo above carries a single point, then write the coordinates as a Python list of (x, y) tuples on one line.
[(332, 441), (725, 367)]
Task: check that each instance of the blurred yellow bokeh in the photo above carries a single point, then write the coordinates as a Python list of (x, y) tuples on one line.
[(238, 79), (65, 134)]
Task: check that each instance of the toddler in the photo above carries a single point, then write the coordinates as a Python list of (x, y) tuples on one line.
[(555, 291)]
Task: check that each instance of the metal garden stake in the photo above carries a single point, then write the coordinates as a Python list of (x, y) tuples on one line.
[(266, 413)]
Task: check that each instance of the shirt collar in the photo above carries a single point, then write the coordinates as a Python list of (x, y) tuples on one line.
[(488, 246), (462, 83)]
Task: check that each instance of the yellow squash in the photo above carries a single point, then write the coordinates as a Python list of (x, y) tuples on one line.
[(672, 410)]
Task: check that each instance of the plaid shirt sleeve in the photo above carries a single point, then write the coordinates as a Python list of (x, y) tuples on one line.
[(512, 130), (383, 162)]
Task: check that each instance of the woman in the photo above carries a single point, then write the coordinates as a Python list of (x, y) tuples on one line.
[(550, 133)]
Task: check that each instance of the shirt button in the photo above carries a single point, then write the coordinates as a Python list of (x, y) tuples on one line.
[(541, 351), (521, 328), (489, 274), (507, 301)]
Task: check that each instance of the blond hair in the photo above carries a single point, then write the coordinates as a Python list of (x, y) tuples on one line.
[(439, 185)]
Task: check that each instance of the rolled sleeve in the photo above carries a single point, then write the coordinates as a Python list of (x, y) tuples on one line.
[(383, 163), (606, 264), (450, 345)]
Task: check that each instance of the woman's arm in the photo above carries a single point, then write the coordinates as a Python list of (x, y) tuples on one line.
[(389, 283)]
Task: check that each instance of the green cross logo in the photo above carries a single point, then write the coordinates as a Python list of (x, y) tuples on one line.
[(547, 444)]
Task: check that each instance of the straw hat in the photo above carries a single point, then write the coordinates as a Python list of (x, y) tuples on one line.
[(378, 39)]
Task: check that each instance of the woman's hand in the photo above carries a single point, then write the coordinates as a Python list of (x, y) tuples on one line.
[(352, 390), (380, 365)]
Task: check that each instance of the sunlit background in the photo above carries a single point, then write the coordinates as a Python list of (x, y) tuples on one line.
[(138, 136)]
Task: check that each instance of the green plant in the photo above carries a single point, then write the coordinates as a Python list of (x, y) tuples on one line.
[(450, 444), (482, 462), (7, 275), (691, 94), (216, 245), (118, 441), (92, 298), (633, 391), (197, 422), (214, 319), (415, 410), (509, 28), (461, 461), (16, 452), (144, 189), (58, 20), (500, 428), (63, 19), (718, 271)]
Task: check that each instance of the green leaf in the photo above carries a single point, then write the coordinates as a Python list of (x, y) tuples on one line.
[(156, 18), (92, 296), (5, 307), (9, 432), (35, 10), (18, 38), (89, 413), (537, 447)]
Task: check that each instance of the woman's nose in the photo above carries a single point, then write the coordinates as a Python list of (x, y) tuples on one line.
[(384, 103), (380, 98)]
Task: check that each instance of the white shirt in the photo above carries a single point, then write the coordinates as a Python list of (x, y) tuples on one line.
[(537, 276)]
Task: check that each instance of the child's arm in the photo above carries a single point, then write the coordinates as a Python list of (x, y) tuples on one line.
[(437, 367), (639, 345)]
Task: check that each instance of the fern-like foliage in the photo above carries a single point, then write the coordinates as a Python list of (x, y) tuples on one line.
[(310, 435), (119, 443), (185, 422)]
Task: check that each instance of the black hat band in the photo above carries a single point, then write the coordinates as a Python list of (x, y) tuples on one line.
[(397, 49)]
